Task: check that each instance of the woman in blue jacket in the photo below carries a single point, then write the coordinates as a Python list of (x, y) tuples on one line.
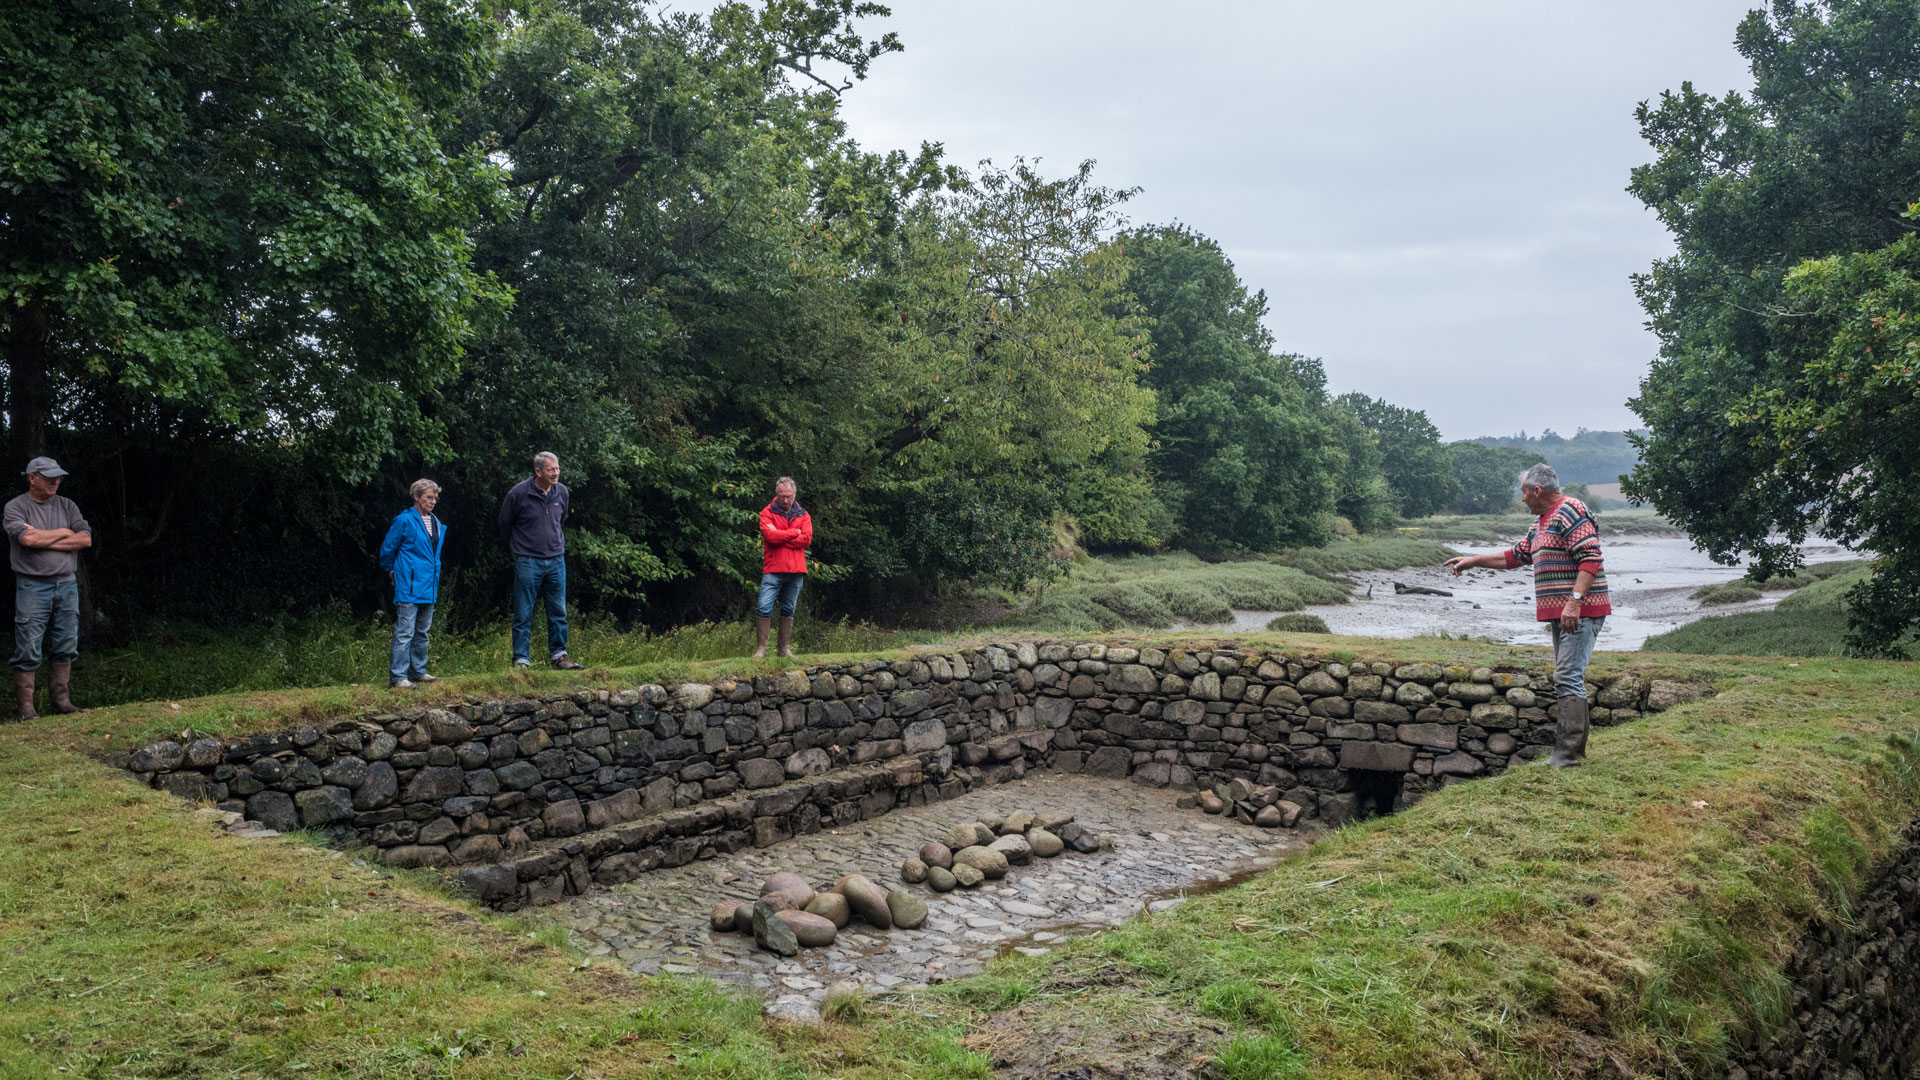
[(411, 557)]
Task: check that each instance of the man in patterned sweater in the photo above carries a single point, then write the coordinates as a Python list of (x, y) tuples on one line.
[(1570, 595)]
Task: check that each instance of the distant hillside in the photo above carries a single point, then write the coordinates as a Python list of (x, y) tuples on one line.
[(1589, 457)]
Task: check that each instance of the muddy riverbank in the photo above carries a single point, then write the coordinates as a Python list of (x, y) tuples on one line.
[(1651, 578)]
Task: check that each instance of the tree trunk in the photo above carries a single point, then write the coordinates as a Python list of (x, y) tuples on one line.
[(28, 333)]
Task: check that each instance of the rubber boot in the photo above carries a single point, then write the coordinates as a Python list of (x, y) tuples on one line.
[(62, 677), (760, 629), (786, 637), (23, 686), (1570, 736)]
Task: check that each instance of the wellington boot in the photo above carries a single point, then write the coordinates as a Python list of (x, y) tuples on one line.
[(62, 677), (786, 637), (760, 629), (23, 686), (1570, 734)]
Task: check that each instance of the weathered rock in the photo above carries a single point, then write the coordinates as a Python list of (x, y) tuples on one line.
[(1270, 817), (1131, 679), (771, 932), (324, 805), (967, 877), (908, 910), (1212, 803), (937, 854), (962, 835), (810, 930), (1112, 762), (1666, 693), (1080, 838), (1045, 844), (721, 919), (275, 810), (761, 772), (989, 862), (490, 883), (1051, 820), (790, 885), (380, 788), (924, 736), (1014, 847), (743, 916), (810, 762), (1321, 684), (868, 901), (1017, 822), (940, 879), (1458, 763), (831, 906), (913, 871), (1289, 813), (157, 757), (1377, 756)]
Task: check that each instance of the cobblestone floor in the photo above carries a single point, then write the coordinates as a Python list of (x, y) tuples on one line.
[(659, 922)]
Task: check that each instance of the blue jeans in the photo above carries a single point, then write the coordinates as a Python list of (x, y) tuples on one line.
[(782, 587), (545, 579), (411, 622), (36, 606), (1571, 653)]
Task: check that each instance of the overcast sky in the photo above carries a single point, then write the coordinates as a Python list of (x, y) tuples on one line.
[(1432, 195)]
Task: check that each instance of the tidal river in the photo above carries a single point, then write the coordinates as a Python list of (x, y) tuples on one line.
[(1651, 578)]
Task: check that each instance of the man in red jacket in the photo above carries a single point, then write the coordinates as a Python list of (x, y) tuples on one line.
[(786, 530)]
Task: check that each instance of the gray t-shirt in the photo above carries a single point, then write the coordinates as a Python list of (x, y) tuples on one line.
[(23, 513)]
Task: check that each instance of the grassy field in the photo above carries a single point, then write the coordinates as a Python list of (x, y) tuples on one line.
[(1531, 925), (1811, 621)]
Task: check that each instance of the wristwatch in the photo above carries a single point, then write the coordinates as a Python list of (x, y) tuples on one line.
[(1578, 595)]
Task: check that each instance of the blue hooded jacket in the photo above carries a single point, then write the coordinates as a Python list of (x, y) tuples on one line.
[(413, 559)]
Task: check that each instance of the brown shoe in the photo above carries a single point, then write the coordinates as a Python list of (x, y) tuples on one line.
[(760, 629), (566, 663), (61, 674), (23, 686)]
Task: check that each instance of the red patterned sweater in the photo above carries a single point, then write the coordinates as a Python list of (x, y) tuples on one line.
[(1562, 543)]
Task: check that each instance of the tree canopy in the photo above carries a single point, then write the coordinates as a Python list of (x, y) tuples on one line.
[(266, 262), (1783, 400)]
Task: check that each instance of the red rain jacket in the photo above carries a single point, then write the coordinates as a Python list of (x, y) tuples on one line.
[(784, 539)]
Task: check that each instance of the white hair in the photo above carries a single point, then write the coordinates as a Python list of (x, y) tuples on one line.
[(787, 480), (421, 487), (544, 455), (1540, 476)]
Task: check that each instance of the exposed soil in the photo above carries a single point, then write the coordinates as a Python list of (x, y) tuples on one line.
[(1030, 1043)]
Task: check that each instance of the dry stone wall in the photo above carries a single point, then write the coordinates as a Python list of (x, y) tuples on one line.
[(1855, 1012), (505, 784)]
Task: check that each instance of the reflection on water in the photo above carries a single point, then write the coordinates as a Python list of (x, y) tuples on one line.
[(1650, 578)]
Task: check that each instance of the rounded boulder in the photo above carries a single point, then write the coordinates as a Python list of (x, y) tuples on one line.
[(790, 885), (1015, 848), (967, 877), (722, 918), (937, 854), (940, 879), (991, 863), (812, 931), (913, 871), (1045, 844), (868, 901), (832, 907), (908, 910)]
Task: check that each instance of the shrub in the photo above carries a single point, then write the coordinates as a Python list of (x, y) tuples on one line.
[(1299, 622), (1733, 592)]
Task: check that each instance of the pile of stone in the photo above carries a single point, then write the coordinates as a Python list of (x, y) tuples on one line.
[(974, 851), (1254, 804), (791, 915)]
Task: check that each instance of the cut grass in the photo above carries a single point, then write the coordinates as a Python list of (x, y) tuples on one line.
[(1515, 926), (179, 660)]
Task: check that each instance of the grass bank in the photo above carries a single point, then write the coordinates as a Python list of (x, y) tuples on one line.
[(172, 660), (1534, 924), (1809, 622)]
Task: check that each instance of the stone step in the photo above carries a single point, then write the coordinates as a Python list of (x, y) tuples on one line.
[(618, 849)]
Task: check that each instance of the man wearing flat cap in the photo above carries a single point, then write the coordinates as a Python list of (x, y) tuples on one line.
[(45, 532)]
